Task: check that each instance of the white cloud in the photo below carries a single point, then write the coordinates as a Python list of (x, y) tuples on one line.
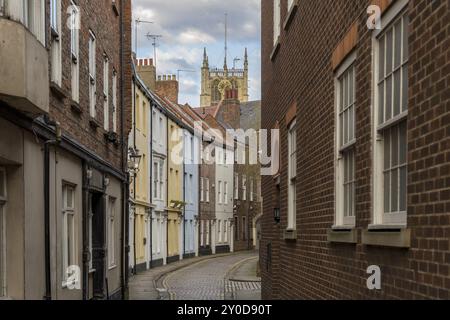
[(187, 26), (194, 36)]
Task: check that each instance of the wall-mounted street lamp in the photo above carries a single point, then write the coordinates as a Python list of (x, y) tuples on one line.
[(134, 161), (277, 215)]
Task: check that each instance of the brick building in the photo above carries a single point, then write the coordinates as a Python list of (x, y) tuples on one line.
[(245, 116), (364, 123), (65, 90)]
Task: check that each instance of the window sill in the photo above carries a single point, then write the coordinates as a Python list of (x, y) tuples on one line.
[(115, 9), (290, 16), (112, 267), (75, 107), (387, 236), (275, 50), (343, 235), (57, 91), (290, 235), (94, 123)]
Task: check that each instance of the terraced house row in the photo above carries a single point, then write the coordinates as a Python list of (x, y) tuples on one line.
[(65, 96), (100, 167), (360, 95), (185, 191)]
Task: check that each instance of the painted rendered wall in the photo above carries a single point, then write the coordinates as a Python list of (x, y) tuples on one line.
[(224, 209), (175, 187), (191, 192), (159, 213), (142, 192)]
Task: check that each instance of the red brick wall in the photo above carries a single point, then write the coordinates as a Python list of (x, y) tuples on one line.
[(102, 19), (301, 71), (168, 88)]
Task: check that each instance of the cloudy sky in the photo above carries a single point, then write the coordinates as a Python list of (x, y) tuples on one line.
[(187, 26)]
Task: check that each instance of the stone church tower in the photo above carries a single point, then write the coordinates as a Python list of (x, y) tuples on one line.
[(215, 82)]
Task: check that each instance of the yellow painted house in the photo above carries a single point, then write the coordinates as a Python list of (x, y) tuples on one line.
[(175, 192), (140, 187)]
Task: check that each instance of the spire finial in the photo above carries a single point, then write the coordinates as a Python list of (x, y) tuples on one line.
[(205, 58)]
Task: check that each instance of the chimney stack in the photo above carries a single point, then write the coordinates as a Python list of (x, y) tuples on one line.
[(147, 72)]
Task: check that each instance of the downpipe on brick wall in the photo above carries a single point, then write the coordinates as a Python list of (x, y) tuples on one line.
[(126, 184), (47, 144)]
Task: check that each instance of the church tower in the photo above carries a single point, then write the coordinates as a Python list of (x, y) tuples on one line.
[(216, 81)]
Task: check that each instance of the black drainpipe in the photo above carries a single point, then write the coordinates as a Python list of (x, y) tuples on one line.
[(125, 185), (47, 144), (134, 177)]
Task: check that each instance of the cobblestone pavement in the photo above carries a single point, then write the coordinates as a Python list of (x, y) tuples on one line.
[(242, 283), (206, 280), (149, 285)]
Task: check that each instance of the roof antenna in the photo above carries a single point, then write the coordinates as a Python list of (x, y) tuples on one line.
[(226, 41)]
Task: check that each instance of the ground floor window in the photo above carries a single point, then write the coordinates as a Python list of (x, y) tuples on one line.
[(112, 232), (207, 233), (219, 228), (225, 230), (202, 231), (69, 232)]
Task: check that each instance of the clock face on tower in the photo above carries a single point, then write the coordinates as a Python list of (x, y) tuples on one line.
[(223, 86)]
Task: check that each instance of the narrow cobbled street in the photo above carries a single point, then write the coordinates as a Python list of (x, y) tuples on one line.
[(223, 277)]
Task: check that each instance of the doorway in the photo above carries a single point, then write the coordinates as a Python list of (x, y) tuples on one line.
[(97, 243)]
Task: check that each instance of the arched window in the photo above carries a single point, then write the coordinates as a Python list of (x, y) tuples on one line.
[(215, 93)]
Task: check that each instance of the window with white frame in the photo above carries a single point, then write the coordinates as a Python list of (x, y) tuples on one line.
[(160, 234), (252, 185), (346, 139), (291, 3), (292, 176), (236, 186), (74, 46), (225, 192), (191, 189), (202, 233), (207, 233), (219, 230), (158, 183), (207, 189), (225, 230), (161, 180), (92, 75), (114, 100), (244, 187), (55, 23), (202, 190), (390, 117), (3, 195), (161, 130), (31, 13), (219, 196), (69, 245), (112, 232), (276, 20), (106, 92)]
